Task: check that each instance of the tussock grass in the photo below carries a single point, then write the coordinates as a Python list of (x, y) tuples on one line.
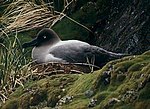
[(25, 15), (20, 16), (13, 66)]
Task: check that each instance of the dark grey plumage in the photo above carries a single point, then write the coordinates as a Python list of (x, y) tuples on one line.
[(49, 48)]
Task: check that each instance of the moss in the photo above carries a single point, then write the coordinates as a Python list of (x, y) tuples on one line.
[(37, 91), (79, 102), (136, 66), (83, 83), (11, 104), (142, 105), (24, 101), (20, 90), (121, 77), (123, 66), (123, 106), (147, 53), (53, 97), (129, 74), (143, 95), (130, 87), (38, 97), (102, 96)]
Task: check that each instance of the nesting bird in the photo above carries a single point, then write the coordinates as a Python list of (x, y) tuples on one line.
[(48, 47)]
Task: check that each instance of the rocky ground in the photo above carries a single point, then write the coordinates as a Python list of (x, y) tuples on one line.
[(123, 83), (116, 25)]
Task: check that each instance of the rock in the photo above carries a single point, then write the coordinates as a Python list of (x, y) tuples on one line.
[(89, 93), (64, 100), (111, 102), (92, 102), (106, 77)]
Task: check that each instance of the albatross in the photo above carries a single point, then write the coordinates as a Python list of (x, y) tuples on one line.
[(48, 47)]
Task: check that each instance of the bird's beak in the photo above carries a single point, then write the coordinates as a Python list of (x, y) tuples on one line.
[(34, 42)]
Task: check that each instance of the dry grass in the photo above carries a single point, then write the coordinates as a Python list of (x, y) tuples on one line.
[(25, 15), (13, 66), (22, 15)]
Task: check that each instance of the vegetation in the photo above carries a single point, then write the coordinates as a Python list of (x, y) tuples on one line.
[(13, 66), (123, 83), (126, 87)]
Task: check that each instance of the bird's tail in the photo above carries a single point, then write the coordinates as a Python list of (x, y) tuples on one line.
[(111, 55)]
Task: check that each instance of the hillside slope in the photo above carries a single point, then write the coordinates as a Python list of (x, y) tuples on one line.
[(123, 83)]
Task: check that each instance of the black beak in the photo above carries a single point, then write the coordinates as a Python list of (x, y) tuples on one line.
[(34, 42)]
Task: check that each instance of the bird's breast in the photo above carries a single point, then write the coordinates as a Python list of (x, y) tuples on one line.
[(38, 54), (42, 55)]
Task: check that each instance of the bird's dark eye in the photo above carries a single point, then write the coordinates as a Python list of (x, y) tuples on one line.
[(44, 37)]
